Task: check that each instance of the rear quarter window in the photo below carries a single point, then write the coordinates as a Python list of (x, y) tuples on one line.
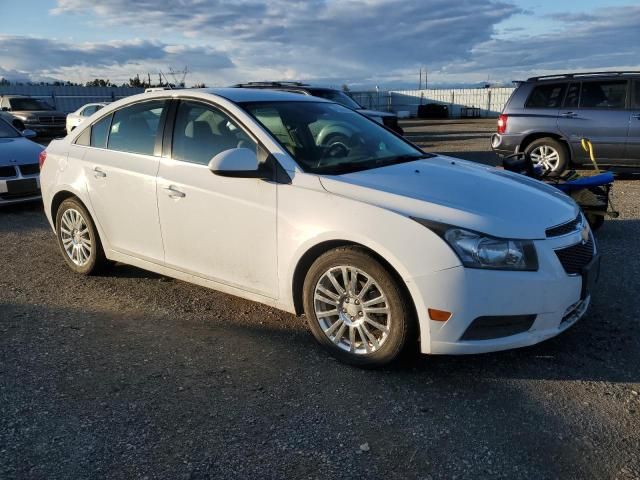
[(546, 96)]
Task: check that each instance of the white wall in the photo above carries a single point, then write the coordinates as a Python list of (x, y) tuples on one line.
[(489, 101)]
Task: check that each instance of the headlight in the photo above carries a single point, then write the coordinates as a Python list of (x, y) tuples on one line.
[(477, 250)]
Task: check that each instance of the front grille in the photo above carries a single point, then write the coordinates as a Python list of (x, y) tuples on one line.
[(16, 196), (50, 120), (485, 328), (7, 172), (30, 169), (565, 228), (576, 257)]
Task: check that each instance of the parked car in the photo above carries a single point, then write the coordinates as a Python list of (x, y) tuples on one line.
[(547, 117), (388, 119), (16, 122), (37, 115), (75, 118), (19, 170), (378, 243)]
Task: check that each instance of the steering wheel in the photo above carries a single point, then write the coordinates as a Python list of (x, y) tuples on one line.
[(335, 147)]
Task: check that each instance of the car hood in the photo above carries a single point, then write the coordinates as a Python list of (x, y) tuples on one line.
[(461, 193), (375, 113), (38, 113), (16, 151)]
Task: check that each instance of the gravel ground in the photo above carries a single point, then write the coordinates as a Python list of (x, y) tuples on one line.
[(134, 375)]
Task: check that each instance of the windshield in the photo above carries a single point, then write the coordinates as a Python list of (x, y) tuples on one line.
[(7, 131), (331, 139), (338, 97), (28, 104)]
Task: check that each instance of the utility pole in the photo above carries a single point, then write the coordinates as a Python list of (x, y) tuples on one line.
[(420, 80), (425, 78)]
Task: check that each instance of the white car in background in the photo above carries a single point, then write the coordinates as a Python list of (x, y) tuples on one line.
[(378, 243), (76, 118)]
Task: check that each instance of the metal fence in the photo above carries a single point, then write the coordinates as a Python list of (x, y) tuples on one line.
[(485, 102), (70, 98)]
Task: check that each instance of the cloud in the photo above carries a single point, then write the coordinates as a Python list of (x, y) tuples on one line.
[(41, 57), (360, 42), (604, 39), (354, 39)]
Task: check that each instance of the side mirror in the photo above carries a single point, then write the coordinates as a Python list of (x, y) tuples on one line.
[(28, 133), (237, 162)]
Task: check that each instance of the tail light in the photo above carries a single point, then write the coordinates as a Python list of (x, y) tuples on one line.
[(502, 123), (41, 158)]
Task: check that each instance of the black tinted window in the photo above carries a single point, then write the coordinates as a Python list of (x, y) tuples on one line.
[(573, 96), (606, 94), (546, 96), (134, 128), (99, 132), (636, 94), (201, 132)]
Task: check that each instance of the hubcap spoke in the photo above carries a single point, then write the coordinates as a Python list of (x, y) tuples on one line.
[(75, 237), (352, 310)]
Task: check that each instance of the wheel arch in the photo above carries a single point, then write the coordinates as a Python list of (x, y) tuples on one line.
[(532, 137), (307, 259), (60, 197)]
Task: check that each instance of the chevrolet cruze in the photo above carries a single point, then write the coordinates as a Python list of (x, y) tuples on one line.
[(310, 207)]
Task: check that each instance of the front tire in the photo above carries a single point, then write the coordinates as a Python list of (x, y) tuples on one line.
[(356, 309), (549, 154), (78, 238)]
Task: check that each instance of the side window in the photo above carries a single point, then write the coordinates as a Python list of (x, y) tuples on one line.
[(201, 132), (99, 132), (604, 94), (573, 96), (636, 94), (88, 111), (134, 128), (546, 96)]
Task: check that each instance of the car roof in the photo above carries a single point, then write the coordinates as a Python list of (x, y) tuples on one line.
[(257, 95)]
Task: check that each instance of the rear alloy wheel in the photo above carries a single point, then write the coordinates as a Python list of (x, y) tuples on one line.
[(548, 154), (78, 238), (355, 308)]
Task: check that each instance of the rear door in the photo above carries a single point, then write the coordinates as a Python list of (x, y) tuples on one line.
[(632, 152), (596, 109), (121, 169)]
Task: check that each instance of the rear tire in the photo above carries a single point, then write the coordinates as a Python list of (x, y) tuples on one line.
[(78, 238), (371, 321), (550, 154)]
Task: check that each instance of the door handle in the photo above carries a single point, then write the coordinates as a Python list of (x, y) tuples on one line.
[(98, 173), (569, 114), (173, 193)]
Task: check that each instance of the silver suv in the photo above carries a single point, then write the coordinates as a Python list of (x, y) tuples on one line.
[(546, 117), (35, 114)]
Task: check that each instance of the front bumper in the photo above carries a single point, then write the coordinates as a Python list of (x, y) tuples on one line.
[(552, 297), (7, 198)]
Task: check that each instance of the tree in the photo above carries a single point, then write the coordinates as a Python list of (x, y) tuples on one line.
[(99, 82), (345, 87)]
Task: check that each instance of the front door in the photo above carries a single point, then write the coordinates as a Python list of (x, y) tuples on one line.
[(596, 110), (219, 228), (121, 165)]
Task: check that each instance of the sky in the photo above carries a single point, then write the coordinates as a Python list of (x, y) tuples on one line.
[(361, 43)]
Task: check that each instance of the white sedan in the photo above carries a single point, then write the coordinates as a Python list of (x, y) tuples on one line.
[(310, 207), (76, 118)]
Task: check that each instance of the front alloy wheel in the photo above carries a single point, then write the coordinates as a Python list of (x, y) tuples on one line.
[(356, 309)]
